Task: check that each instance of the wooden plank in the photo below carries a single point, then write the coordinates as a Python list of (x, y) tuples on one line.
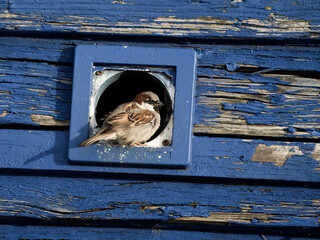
[(35, 93), (84, 233), (197, 19), (237, 105), (133, 203), (260, 91), (212, 158)]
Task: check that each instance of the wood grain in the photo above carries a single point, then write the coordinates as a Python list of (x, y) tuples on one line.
[(180, 18), (103, 202), (259, 91), (255, 163)]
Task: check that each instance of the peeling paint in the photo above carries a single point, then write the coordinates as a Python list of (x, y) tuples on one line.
[(152, 207), (276, 25), (69, 82), (46, 120), (316, 152), (287, 110), (274, 106), (316, 202), (243, 129), (38, 90), (275, 154), (121, 2), (225, 217), (223, 18), (316, 155), (4, 113)]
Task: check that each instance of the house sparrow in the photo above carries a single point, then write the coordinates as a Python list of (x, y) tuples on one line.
[(131, 123)]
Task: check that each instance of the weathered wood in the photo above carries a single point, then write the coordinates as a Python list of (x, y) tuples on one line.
[(200, 19), (89, 233), (255, 90), (267, 91), (211, 157), (107, 202), (243, 107)]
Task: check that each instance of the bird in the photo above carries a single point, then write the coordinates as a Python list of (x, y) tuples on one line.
[(132, 123)]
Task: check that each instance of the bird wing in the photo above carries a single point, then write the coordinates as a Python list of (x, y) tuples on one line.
[(130, 106), (135, 117), (141, 117), (125, 107)]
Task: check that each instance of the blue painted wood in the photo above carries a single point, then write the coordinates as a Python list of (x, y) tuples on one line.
[(89, 233), (198, 19), (280, 101), (242, 90), (272, 57), (135, 203), (212, 157)]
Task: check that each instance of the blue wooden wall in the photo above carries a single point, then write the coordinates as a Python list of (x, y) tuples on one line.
[(255, 168)]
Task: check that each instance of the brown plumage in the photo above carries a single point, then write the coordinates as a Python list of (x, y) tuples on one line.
[(131, 123)]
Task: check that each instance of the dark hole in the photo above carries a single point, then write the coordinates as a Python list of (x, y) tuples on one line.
[(129, 84)]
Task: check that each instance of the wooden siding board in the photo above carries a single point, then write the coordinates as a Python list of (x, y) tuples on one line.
[(234, 19), (246, 90), (156, 233), (212, 158), (258, 91), (98, 201)]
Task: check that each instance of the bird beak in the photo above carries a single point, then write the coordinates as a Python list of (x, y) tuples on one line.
[(158, 105)]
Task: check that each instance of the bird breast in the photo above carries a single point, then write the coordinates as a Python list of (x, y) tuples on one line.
[(143, 132)]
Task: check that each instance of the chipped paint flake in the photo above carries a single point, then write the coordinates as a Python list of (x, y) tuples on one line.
[(121, 2), (316, 202), (63, 81), (4, 113), (316, 155), (316, 152), (244, 217), (151, 207), (275, 154), (46, 120), (277, 24), (38, 90)]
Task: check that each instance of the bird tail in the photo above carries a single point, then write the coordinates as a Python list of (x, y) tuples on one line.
[(95, 139)]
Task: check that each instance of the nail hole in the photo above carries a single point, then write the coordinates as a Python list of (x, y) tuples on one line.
[(165, 142)]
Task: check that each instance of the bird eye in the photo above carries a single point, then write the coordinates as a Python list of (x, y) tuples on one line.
[(152, 102)]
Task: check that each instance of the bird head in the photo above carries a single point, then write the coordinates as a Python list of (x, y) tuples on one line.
[(148, 100)]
